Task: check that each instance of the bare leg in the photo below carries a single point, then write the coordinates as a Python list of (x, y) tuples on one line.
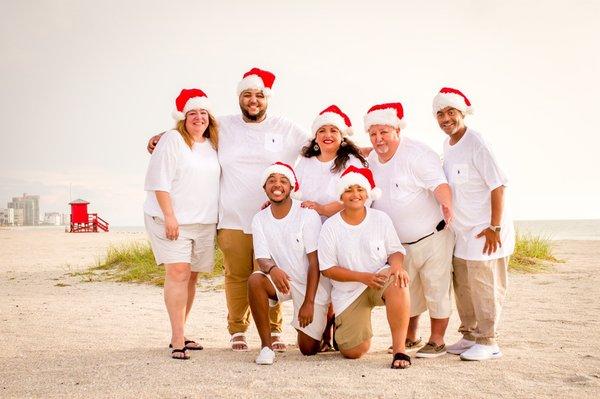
[(191, 293), (357, 351), (413, 326), (438, 330), (260, 290), (308, 345), (177, 276), (397, 306)]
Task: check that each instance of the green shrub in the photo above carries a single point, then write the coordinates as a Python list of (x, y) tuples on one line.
[(532, 254)]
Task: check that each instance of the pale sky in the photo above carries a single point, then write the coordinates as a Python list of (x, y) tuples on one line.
[(86, 83)]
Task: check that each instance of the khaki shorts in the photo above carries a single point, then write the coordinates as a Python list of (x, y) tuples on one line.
[(317, 327), (429, 267), (195, 244), (353, 325)]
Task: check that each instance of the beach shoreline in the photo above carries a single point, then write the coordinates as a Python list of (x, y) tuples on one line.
[(64, 337)]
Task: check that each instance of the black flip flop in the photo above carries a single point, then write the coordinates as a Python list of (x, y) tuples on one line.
[(183, 350), (401, 356), (191, 348)]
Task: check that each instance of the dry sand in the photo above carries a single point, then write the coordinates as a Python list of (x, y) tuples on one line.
[(61, 337)]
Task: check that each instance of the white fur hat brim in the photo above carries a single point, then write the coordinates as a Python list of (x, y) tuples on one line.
[(453, 100), (192, 103), (253, 82), (331, 118), (353, 178), (387, 117), (282, 170)]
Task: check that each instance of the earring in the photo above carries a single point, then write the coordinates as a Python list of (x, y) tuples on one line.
[(316, 147)]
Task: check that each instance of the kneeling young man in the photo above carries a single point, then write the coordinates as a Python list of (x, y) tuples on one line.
[(285, 247), (360, 252)]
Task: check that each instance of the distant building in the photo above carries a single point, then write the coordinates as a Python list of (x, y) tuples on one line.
[(52, 218), (19, 217), (7, 217), (30, 207)]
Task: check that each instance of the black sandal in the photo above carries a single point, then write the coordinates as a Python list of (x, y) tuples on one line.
[(401, 356), (191, 348), (183, 350)]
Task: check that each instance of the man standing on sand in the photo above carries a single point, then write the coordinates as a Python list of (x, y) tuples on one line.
[(417, 198), (248, 143), (485, 235), (285, 238)]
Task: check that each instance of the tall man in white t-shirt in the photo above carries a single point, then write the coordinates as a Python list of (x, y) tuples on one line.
[(248, 143), (485, 235), (360, 252), (416, 196), (285, 238)]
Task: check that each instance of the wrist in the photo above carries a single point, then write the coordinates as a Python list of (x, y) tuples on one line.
[(271, 268), (495, 228)]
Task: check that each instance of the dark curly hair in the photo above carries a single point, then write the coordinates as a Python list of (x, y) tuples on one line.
[(342, 156)]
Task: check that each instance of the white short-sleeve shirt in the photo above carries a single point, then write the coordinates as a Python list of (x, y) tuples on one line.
[(317, 181), (190, 176), (472, 173), (287, 241), (245, 151), (407, 182), (363, 248)]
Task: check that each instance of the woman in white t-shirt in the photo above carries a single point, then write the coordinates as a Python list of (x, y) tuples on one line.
[(319, 167), (181, 208), (324, 159)]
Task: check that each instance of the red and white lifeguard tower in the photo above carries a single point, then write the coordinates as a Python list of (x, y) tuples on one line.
[(84, 222)]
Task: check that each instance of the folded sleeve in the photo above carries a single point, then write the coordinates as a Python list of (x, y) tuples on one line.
[(311, 230), (327, 249), (163, 164), (488, 168)]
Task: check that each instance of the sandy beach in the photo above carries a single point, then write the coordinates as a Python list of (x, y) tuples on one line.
[(64, 337)]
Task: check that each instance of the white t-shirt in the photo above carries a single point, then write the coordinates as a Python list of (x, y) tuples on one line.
[(407, 182), (287, 241), (363, 248), (317, 181), (245, 151), (190, 176), (473, 173)]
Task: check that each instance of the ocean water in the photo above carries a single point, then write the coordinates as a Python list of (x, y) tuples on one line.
[(561, 229), (551, 229)]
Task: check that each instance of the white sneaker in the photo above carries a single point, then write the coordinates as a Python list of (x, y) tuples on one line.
[(481, 352), (266, 356), (460, 346)]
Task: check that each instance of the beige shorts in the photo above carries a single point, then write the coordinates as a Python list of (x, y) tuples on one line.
[(317, 327), (195, 244), (353, 325), (429, 267)]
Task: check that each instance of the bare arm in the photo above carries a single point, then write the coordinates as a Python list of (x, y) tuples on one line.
[(492, 238), (278, 276), (342, 274), (171, 225), (326, 210), (307, 309), (443, 196)]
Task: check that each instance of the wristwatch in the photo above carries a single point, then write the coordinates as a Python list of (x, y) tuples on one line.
[(495, 229)]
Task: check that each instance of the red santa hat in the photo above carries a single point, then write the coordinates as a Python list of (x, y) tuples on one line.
[(257, 79), (358, 176), (287, 171), (332, 115), (390, 114), (449, 97), (188, 100)]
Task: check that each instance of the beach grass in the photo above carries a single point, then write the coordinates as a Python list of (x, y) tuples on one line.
[(533, 254), (134, 263)]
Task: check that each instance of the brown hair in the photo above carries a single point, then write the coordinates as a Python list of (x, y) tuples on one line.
[(211, 132), (342, 155)]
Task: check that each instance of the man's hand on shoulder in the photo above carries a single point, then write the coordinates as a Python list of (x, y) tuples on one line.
[(153, 142)]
